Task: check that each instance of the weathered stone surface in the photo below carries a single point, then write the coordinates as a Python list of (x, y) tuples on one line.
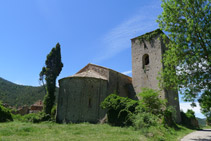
[(145, 76), (81, 94)]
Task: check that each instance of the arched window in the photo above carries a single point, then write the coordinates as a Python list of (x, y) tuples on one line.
[(145, 60)]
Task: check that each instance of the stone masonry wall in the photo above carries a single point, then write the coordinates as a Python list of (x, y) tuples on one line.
[(121, 85), (146, 77), (80, 98)]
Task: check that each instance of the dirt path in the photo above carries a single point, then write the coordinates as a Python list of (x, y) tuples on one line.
[(201, 135)]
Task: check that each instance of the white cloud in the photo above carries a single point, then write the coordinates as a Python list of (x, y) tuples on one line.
[(184, 106), (127, 72), (118, 38)]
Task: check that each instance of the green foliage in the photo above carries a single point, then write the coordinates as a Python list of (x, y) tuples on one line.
[(50, 72), (84, 131), (188, 25), (120, 110), (145, 120), (190, 114), (53, 111), (149, 111), (36, 118), (43, 131), (5, 114), (169, 116), (19, 95), (150, 102), (163, 133), (33, 117), (205, 104), (188, 118), (154, 110), (17, 117), (150, 35)]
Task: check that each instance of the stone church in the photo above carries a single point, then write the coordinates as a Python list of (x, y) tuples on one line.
[(80, 95)]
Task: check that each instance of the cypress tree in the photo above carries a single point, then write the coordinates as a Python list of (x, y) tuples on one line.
[(50, 72)]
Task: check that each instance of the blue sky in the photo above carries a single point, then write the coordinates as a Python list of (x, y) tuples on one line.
[(94, 31)]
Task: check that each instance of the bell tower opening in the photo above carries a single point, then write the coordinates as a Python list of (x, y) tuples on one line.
[(145, 60)]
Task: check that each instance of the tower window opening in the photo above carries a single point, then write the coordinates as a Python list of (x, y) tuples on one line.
[(145, 60)]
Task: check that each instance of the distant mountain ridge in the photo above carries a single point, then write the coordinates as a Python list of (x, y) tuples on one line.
[(19, 95)]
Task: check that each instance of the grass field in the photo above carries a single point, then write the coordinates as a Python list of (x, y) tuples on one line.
[(16, 130), (207, 127), (52, 131)]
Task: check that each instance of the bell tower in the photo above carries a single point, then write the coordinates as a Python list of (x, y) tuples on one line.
[(147, 51)]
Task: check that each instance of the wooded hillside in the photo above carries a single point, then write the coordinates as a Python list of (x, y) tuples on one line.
[(19, 95)]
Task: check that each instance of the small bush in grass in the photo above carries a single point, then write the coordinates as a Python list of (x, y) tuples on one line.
[(33, 117), (145, 120), (37, 117), (17, 117), (5, 114), (120, 110)]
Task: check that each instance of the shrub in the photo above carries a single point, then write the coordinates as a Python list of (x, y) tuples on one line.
[(190, 114), (150, 102), (145, 120), (36, 117), (5, 114), (120, 110), (149, 111), (169, 117), (188, 119), (17, 117)]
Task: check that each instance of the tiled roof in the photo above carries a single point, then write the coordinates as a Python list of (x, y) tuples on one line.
[(90, 73)]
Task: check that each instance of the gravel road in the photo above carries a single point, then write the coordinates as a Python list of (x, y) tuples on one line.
[(201, 135)]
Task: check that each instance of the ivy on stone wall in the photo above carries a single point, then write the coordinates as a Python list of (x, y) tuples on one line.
[(149, 37)]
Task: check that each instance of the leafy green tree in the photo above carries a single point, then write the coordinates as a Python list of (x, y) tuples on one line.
[(205, 102), (5, 114), (50, 72), (188, 25)]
